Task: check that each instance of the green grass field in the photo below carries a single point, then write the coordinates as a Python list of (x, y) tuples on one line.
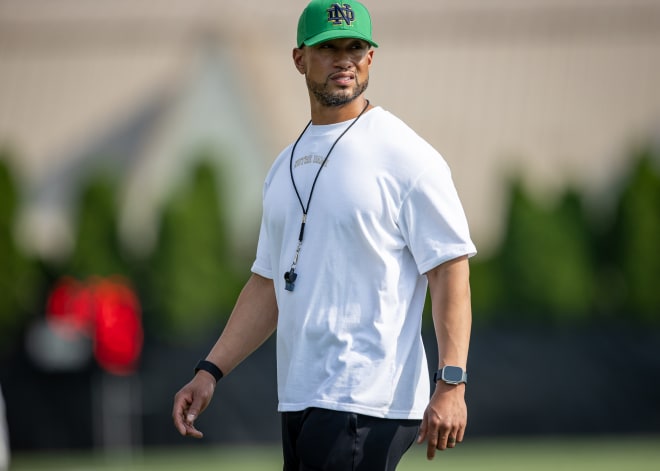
[(583, 454)]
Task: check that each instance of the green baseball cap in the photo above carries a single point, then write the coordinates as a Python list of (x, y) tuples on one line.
[(323, 20)]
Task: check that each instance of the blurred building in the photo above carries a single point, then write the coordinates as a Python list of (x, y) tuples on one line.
[(557, 90)]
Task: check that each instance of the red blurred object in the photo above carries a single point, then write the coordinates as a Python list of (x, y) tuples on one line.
[(118, 336), (69, 308), (105, 309)]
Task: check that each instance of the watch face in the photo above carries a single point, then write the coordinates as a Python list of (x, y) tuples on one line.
[(452, 374)]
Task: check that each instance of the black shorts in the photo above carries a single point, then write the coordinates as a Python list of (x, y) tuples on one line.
[(326, 440)]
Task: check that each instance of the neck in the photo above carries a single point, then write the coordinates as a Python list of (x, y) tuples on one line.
[(336, 114)]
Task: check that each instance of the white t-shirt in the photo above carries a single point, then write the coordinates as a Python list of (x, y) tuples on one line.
[(384, 212)]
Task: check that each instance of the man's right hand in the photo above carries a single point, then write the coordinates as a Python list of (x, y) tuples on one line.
[(191, 401)]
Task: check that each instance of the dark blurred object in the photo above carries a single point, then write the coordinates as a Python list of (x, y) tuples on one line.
[(523, 381)]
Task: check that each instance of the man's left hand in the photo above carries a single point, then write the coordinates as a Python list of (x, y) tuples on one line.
[(445, 419)]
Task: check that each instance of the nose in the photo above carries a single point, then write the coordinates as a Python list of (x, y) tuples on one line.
[(343, 58)]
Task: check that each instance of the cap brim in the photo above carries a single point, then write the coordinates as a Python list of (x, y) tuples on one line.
[(336, 34)]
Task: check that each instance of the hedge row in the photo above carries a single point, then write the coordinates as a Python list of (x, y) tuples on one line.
[(560, 262)]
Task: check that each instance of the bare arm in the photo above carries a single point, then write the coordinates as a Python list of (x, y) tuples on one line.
[(252, 321), (446, 414)]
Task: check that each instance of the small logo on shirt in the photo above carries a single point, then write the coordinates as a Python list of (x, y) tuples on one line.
[(309, 159)]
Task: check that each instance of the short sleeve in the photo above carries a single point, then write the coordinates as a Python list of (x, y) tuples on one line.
[(432, 219), (262, 263)]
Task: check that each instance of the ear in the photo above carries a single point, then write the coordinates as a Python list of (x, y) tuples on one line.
[(370, 56), (299, 59)]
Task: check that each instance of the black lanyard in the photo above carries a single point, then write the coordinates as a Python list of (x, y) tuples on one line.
[(291, 275)]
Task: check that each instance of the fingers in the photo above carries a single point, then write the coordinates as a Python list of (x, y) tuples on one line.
[(422, 430), (460, 434), (445, 419), (452, 440), (452, 437), (189, 402), (432, 438), (432, 445), (191, 431), (442, 440), (184, 422), (179, 411), (189, 422), (184, 419), (439, 434)]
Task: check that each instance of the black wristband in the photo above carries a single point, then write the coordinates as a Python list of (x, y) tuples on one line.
[(209, 368)]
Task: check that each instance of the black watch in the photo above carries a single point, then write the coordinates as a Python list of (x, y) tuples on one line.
[(450, 375)]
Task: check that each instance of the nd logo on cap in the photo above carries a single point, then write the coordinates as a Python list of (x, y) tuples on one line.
[(323, 20), (338, 13)]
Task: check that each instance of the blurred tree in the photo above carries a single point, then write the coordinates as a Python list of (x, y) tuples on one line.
[(632, 243), (97, 250), (487, 288), (19, 279), (193, 279), (544, 268)]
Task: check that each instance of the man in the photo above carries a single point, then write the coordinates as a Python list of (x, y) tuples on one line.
[(359, 216)]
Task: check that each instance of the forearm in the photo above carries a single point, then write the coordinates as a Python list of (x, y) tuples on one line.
[(445, 417), (252, 322), (449, 286)]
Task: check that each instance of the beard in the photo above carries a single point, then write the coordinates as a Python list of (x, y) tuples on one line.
[(329, 98)]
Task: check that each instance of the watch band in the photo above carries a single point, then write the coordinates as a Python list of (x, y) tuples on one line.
[(209, 367)]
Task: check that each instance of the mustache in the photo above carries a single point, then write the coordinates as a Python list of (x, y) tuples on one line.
[(352, 74)]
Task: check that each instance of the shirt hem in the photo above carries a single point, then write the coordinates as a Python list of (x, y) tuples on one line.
[(262, 272), (355, 408), (468, 250)]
